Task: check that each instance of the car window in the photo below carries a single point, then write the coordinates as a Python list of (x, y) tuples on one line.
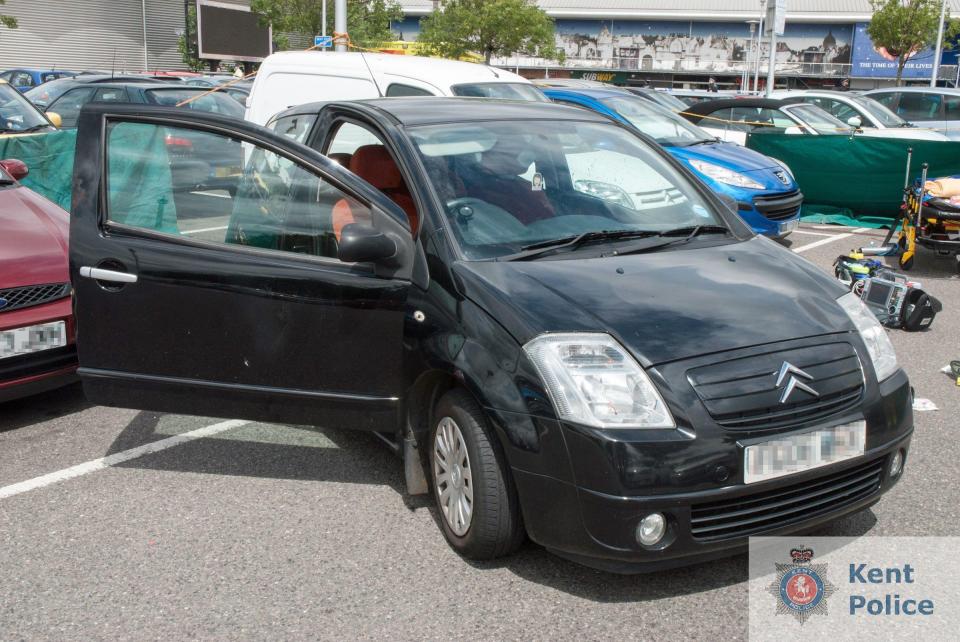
[(919, 106), (398, 89), (110, 95), (838, 109), (68, 105), (507, 185), (196, 98), (365, 154), (888, 99), (17, 114), (951, 107), (22, 79), (43, 95), (195, 184), (295, 127), (666, 127), (818, 119), (747, 119)]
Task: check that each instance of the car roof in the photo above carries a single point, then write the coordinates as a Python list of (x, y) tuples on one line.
[(434, 70), (710, 106), (915, 90), (586, 91), (441, 110)]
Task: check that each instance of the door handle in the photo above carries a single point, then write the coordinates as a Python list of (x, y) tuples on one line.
[(99, 274)]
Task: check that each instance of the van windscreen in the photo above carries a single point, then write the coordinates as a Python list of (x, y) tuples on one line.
[(504, 90)]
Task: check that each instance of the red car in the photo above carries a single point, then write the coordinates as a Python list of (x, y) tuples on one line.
[(37, 333)]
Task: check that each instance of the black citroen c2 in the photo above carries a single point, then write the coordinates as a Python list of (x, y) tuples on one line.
[(565, 334)]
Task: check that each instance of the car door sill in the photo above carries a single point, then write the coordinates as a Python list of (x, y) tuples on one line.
[(96, 373)]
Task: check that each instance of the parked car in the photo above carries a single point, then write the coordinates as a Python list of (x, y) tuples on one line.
[(292, 78), (571, 83), (44, 95), (661, 98), (766, 195), (936, 108), (238, 90), (563, 332), (25, 79), (71, 101), (19, 116), (37, 346), (860, 112), (693, 96), (731, 119)]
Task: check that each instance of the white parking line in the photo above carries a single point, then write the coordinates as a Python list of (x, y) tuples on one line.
[(212, 194), (836, 237), (117, 458), (204, 229), (811, 233)]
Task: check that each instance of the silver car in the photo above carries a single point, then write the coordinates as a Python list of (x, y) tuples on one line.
[(935, 108)]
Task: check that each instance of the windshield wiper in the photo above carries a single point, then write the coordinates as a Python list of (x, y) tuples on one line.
[(35, 128), (686, 235), (573, 242)]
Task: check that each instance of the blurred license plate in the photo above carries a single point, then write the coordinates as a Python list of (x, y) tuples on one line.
[(32, 338), (797, 453), (789, 226)]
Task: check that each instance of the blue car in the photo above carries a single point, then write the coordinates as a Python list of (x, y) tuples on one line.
[(768, 198), (24, 79)]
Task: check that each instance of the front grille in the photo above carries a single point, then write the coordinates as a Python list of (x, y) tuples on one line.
[(24, 297), (774, 509), (780, 207), (742, 394)]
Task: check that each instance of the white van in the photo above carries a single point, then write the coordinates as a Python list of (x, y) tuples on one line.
[(291, 78)]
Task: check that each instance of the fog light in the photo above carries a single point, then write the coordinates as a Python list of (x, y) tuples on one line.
[(896, 464), (651, 529)]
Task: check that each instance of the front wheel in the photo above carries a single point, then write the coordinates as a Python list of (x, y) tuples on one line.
[(475, 496)]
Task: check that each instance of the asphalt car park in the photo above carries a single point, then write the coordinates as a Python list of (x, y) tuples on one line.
[(118, 521)]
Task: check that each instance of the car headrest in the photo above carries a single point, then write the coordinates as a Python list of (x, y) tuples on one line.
[(373, 164)]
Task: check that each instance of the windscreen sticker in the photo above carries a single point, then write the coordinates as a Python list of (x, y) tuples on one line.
[(537, 184)]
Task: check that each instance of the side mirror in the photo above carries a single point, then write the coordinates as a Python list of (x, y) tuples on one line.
[(55, 119), (15, 167), (363, 244), (855, 122)]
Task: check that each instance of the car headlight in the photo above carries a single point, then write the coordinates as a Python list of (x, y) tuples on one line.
[(592, 380), (874, 336), (724, 175)]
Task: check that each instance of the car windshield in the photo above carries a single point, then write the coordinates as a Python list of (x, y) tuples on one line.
[(666, 100), (509, 185), (664, 126), (16, 112), (819, 120), (43, 95), (508, 90), (878, 112), (216, 102)]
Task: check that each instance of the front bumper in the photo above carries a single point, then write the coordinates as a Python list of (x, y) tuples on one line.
[(591, 516), (37, 372)]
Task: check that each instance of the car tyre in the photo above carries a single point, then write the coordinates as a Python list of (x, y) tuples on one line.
[(476, 498)]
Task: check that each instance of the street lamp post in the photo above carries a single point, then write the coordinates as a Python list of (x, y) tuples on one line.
[(754, 52), (939, 50), (340, 22), (756, 72)]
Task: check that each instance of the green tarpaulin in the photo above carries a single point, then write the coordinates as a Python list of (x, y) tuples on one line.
[(861, 174), (50, 160)]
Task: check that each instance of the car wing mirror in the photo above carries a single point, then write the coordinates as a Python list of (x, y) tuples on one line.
[(15, 167), (364, 244), (855, 122), (55, 119)]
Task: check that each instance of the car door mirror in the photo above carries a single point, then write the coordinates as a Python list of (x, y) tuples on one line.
[(55, 119), (855, 122), (364, 244), (15, 167)]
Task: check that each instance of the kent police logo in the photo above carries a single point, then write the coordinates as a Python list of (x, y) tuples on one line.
[(801, 588)]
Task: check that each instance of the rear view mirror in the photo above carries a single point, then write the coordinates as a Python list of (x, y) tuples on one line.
[(55, 119), (855, 122), (15, 167), (363, 244)]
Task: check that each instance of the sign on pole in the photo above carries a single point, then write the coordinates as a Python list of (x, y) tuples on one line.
[(776, 19), (324, 42)]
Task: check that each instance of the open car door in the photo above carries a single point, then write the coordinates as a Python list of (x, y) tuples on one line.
[(204, 256)]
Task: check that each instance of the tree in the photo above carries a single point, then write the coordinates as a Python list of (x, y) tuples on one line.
[(491, 27), (7, 21), (368, 21), (188, 48), (905, 27)]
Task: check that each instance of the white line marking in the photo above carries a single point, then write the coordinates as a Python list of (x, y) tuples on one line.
[(811, 233), (836, 237), (117, 458), (210, 229)]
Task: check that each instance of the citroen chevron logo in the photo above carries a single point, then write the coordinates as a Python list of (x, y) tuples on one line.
[(793, 383)]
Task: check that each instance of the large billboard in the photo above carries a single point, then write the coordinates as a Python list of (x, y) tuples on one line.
[(876, 62), (231, 32)]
